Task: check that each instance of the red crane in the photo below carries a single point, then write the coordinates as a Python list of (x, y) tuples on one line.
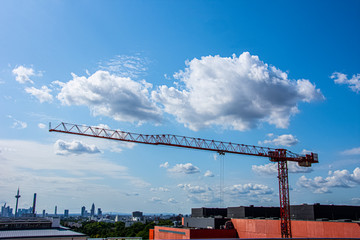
[(281, 156)]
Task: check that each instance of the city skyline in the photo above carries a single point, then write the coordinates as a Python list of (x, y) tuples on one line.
[(277, 74)]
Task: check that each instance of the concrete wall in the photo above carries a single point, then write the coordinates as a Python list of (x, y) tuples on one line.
[(258, 228)]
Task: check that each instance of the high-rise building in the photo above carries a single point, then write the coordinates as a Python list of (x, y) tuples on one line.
[(6, 211), (99, 212), (55, 212), (66, 213), (137, 216), (44, 213), (92, 213), (83, 211)]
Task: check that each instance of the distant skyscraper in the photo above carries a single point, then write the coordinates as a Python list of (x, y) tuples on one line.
[(137, 214), (66, 213), (55, 211), (44, 213), (83, 210), (99, 213), (92, 213), (6, 211), (17, 196)]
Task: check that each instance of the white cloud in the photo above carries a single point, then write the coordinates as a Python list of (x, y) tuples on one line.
[(208, 173), (353, 83), (23, 74), (109, 95), (282, 140), (103, 126), (272, 168), (33, 157), (43, 94), (17, 123), (159, 189), (132, 194), (172, 200), (338, 178), (41, 125), (125, 66), (75, 147), (155, 199), (353, 151), (192, 189), (248, 189), (235, 92), (165, 165), (187, 168)]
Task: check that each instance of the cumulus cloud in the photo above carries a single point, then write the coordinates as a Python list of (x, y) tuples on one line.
[(234, 92), (42, 94), (338, 178), (272, 168), (165, 165), (105, 94), (208, 173), (248, 189), (41, 125), (282, 140), (74, 147), (23, 74), (17, 123), (187, 168), (200, 194), (159, 189), (193, 189), (353, 83), (353, 151)]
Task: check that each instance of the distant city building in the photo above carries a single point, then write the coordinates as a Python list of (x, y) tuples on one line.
[(44, 213), (137, 214), (55, 212), (25, 212), (66, 213), (6, 211), (83, 211), (92, 212), (99, 212)]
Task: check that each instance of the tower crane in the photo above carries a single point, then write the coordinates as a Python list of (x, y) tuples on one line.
[(278, 155)]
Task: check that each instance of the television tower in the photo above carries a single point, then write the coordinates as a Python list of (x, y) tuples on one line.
[(17, 196)]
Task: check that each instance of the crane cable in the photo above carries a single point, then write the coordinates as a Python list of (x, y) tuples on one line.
[(221, 186)]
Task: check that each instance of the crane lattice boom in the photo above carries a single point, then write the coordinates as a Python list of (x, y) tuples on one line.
[(182, 141), (281, 156)]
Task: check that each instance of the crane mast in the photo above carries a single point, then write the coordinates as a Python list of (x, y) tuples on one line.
[(281, 156)]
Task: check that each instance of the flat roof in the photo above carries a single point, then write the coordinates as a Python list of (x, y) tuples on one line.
[(53, 232)]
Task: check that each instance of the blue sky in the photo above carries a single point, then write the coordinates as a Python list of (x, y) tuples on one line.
[(278, 74)]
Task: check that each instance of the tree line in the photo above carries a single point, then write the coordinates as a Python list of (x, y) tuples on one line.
[(118, 229)]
